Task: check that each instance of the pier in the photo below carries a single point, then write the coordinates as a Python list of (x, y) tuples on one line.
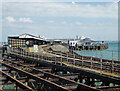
[(90, 47), (42, 71)]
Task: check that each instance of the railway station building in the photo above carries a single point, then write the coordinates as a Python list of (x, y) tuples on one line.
[(25, 40)]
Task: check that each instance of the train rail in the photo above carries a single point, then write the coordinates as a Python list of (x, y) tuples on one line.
[(35, 77), (99, 69), (69, 84), (103, 67)]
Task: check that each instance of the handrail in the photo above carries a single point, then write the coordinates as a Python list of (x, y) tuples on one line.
[(111, 67)]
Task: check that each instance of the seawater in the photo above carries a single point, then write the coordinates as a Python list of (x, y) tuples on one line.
[(110, 53)]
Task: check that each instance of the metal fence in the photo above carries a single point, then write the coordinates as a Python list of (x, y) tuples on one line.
[(107, 54), (100, 65)]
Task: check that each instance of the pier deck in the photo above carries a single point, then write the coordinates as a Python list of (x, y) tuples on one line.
[(90, 70)]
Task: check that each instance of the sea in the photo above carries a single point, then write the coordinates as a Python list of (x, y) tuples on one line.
[(112, 53)]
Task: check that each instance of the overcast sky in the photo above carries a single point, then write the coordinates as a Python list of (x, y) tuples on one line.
[(96, 20)]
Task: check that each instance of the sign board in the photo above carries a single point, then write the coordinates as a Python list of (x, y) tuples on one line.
[(35, 48), (1, 44), (73, 43), (27, 42)]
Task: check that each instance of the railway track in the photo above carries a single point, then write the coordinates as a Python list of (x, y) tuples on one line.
[(107, 65), (69, 84), (73, 62), (104, 67)]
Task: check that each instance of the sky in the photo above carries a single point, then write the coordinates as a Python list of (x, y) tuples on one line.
[(59, 20)]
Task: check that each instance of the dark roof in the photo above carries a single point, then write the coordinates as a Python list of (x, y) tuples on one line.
[(13, 37)]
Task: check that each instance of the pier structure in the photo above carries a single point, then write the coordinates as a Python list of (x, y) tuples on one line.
[(78, 72), (89, 47), (84, 43), (28, 40)]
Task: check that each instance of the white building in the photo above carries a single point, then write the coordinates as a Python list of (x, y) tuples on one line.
[(73, 43)]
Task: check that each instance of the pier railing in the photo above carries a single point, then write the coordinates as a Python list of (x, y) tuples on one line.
[(107, 54), (102, 66)]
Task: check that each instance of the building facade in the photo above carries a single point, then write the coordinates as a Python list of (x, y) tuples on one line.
[(25, 40)]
